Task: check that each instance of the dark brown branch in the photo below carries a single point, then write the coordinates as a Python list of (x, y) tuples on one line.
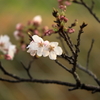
[(89, 73), (18, 80), (70, 42), (63, 46), (7, 73), (28, 68), (67, 41), (88, 55), (83, 86), (90, 9), (75, 75), (77, 46), (62, 66), (92, 5)]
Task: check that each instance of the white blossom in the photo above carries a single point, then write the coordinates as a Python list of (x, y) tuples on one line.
[(44, 48), (52, 50), (31, 49), (4, 43), (6, 46), (36, 45), (37, 19), (11, 51)]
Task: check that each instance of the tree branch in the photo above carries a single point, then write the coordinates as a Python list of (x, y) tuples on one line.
[(88, 55), (90, 9)]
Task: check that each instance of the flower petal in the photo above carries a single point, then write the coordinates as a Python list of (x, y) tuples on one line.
[(40, 51), (11, 51), (54, 44), (36, 38), (58, 50), (33, 46), (52, 55), (45, 53)]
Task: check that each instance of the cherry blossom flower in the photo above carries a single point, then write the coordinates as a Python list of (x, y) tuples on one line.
[(36, 45), (4, 43), (11, 52), (52, 50), (44, 48), (6, 47), (31, 49)]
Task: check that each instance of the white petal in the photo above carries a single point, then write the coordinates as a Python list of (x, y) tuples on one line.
[(45, 53), (37, 19), (36, 38), (58, 50), (16, 35), (11, 51), (33, 53), (5, 40), (33, 46), (54, 44), (52, 56), (6, 37), (39, 51), (46, 43)]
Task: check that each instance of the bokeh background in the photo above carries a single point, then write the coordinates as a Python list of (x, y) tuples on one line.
[(20, 11)]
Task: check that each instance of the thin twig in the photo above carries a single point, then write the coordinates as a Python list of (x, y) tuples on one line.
[(63, 46), (71, 44), (7, 73), (89, 73), (18, 80), (28, 68), (67, 41), (88, 55), (75, 75), (92, 5), (88, 8), (62, 66), (77, 46)]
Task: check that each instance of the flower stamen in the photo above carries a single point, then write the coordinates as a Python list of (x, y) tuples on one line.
[(51, 48)]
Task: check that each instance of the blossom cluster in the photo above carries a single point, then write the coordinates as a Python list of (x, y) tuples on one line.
[(6, 47), (43, 48), (64, 3), (31, 26)]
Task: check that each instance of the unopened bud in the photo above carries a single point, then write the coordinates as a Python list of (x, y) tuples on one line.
[(48, 32), (71, 30), (19, 26), (37, 20)]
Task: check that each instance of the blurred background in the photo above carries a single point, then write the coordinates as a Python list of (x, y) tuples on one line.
[(20, 11)]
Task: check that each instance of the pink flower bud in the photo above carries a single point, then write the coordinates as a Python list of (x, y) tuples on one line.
[(68, 3), (70, 30), (36, 32), (23, 47), (18, 35), (63, 7), (48, 32), (37, 20), (19, 26), (63, 18)]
